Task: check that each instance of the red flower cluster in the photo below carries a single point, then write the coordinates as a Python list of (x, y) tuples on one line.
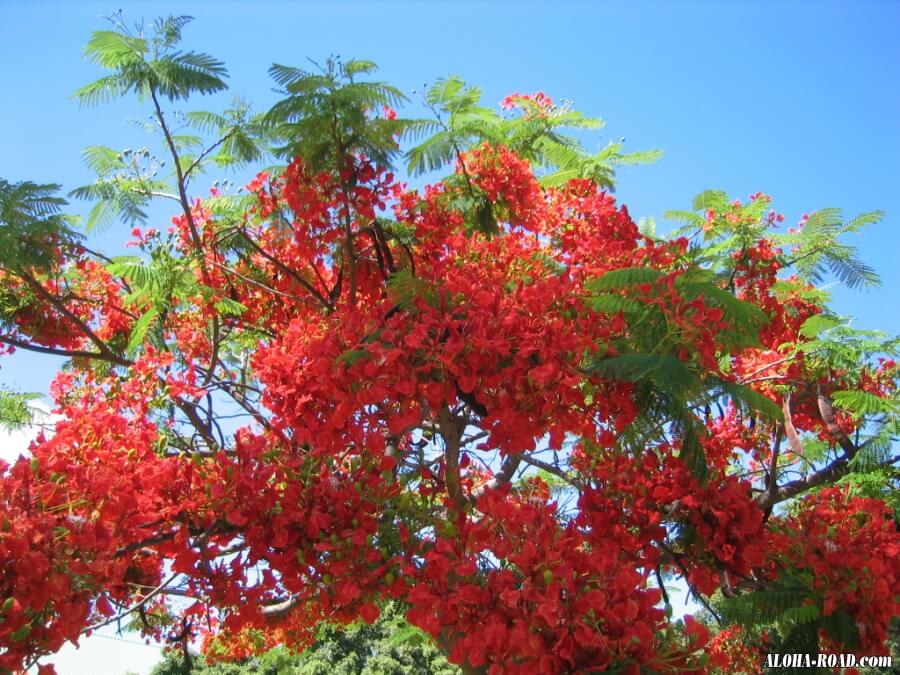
[(565, 599), (848, 546), (399, 361)]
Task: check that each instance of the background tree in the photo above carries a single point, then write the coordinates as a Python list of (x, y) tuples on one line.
[(494, 400), (389, 646)]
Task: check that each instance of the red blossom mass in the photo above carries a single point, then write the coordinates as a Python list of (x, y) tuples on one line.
[(452, 410)]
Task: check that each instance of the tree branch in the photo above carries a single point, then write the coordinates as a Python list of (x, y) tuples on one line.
[(829, 474), (555, 470), (108, 354), (776, 448), (280, 609), (287, 270), (182, 186), (827, 413), (451, 433), (159, 590), (70, 353), (501, 478), (203, 155)]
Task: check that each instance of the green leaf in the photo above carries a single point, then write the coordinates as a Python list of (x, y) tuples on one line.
[(32, 227), (686, 217), (101, 159), (638, 157), (230, 307), (611, 304), (817, 324), (747, 399), (357, 66), (485, 218), (623, 278), (352, 356), (135, 270), (802, 614), (762, 607), (452, 94), (140, 329), (670, 374), (15, 413), (841, 628), (691, 452), (864, 402), (406, 288), (20, 633), (149, 65), (710, 199), (432, 154)]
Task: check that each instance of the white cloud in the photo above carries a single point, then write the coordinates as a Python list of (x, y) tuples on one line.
[(106, 653), (15, 443)]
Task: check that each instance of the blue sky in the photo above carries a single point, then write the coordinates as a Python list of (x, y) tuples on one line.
[(797, 99)]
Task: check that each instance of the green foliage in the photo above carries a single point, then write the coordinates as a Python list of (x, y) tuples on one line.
[(329, 112), (32, 226), (240, 132), (461, 123), (149, 64), (835, 346), (671, 391), (727, 229), (390, 646), (15, 413), (768, 606), (817, 248), (333, 111), (864, 403), (820, 250), (126, 181), (406, 288), (792, 618), (621, 279), (154, 285)]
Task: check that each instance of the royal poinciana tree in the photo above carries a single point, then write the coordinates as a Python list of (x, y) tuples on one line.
[(494, 399)]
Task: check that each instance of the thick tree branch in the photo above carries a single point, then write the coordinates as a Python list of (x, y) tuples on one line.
[(451, 433), (553, 469), (829, 474), (190, 411), (279, 610), (69, 353), (502, 477)]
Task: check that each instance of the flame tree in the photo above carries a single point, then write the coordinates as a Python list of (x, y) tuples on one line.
[(495, 399)]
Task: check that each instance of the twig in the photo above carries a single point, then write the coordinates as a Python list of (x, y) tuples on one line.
[(156, 591)]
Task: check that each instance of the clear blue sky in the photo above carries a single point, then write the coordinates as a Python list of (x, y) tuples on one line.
[(800, 100)]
